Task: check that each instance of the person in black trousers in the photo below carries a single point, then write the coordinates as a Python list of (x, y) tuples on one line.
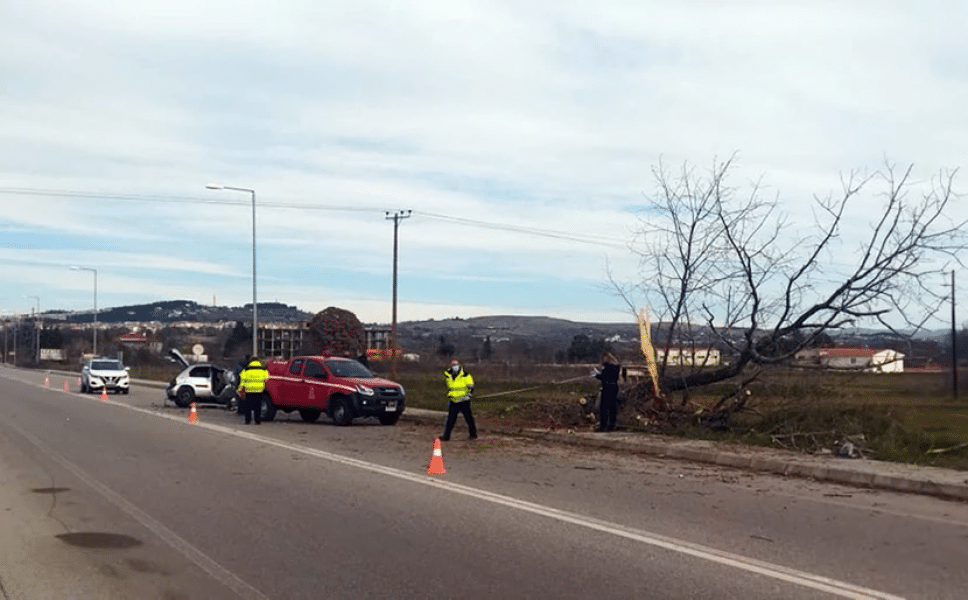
[(608, 374), (460, 387), (252, 386)]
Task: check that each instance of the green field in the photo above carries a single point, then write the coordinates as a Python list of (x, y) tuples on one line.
[(902, 416)]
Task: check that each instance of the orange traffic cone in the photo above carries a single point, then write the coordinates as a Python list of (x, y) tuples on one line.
[(78, 382), (436, 460), (104, 394), (193, 415), (66, 387)]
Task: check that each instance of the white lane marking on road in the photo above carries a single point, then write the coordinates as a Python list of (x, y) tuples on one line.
[(794, 576), (205, 562)]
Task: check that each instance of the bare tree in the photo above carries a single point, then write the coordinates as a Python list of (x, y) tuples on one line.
[(727, 267)]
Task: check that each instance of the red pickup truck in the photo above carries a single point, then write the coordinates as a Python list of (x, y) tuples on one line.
[(341, 387)]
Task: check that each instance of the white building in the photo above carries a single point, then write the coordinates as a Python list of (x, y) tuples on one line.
[(689, 356), (868, 360)]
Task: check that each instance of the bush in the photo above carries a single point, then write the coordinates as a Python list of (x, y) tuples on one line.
[(336, 331)]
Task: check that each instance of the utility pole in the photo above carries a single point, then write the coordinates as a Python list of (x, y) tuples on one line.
[(954, 343), (38, 325), (397, 217)]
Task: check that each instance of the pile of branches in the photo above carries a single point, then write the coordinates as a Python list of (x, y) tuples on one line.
[(656, 410)]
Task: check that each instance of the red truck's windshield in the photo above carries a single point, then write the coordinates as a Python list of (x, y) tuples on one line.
[(348, 368)]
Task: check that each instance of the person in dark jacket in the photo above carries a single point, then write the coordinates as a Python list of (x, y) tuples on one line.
[(609, 374), (236, 378), (240, 365)]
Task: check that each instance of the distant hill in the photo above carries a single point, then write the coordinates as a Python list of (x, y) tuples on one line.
[(417, 333), (169, 311), (515, 327)]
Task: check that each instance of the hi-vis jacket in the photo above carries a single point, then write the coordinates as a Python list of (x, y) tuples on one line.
[(252, 379), (458, 386)]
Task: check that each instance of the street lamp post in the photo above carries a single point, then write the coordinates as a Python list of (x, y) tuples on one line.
[(36, 329), (255, 306), (92, 270)]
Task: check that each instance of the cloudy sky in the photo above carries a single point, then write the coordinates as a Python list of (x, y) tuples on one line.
[(521, 135)]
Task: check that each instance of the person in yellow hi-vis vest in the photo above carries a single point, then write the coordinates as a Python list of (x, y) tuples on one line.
[(252, 386), (460, 386)]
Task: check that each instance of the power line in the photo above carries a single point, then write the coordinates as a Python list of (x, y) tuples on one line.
[(547, 233), (171, 199), (550, 233)]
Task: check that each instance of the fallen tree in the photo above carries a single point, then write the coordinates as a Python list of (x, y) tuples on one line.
[(728, 268)]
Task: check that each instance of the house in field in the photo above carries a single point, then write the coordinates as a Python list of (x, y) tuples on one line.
[(868, 360), (139, 340), (688, 356)]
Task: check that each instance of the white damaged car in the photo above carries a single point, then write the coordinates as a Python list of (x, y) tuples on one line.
[(107, 374), (201, 382)]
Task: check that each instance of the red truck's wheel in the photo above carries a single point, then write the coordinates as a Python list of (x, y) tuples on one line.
[(268, 409), (339, 411)]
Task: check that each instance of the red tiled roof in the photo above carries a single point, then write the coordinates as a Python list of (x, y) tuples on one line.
[(133, 337), (850, 351)]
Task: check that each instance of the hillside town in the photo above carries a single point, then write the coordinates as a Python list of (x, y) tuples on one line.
[(143, 333)]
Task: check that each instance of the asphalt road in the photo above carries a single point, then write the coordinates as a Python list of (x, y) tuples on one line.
[(126, 499)]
